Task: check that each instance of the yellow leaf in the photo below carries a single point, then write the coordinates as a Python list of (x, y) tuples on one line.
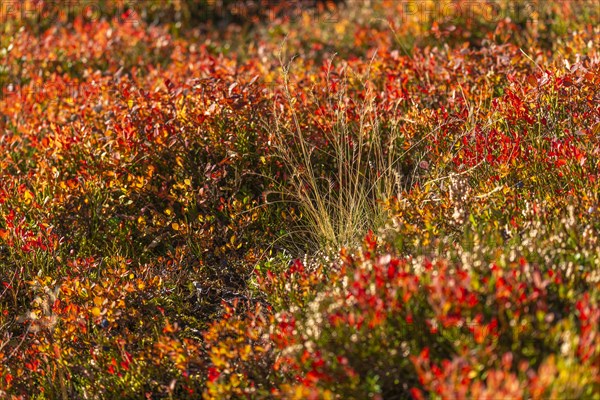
[(175, 226), (96, 311), (139, 182), (28, 196), (98, 301)]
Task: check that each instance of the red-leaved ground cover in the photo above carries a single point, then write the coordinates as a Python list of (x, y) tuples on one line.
[(300, 199)]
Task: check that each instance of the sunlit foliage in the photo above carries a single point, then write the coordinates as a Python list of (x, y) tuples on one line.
[(159, 162)]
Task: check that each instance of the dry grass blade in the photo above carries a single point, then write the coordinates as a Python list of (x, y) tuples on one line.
[(340, 206)]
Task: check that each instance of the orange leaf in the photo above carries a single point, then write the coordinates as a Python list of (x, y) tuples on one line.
[(98, 301)]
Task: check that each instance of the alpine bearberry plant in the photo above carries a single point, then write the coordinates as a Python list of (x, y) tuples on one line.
[(299, 199)]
